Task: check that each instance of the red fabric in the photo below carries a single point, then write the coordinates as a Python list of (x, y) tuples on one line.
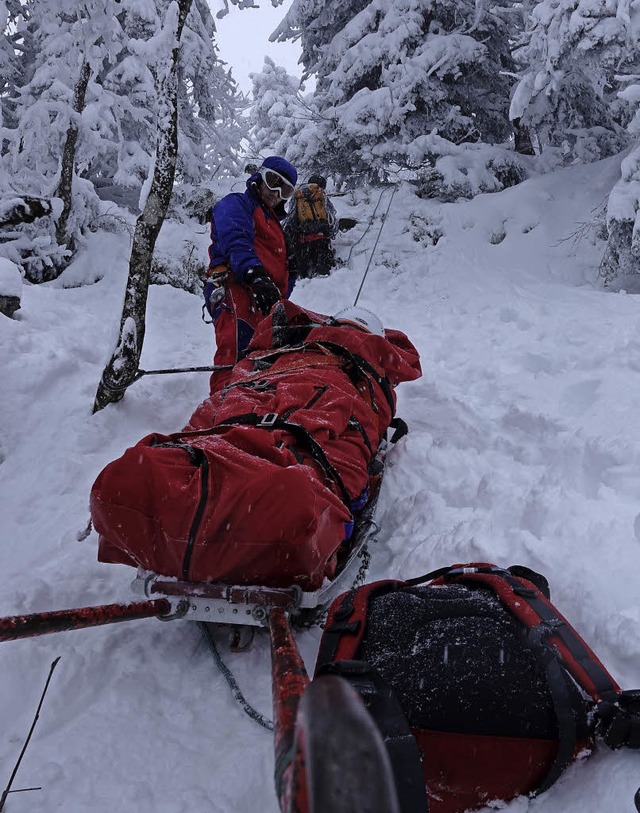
[(271, 247), (311, 238), (239, 316), (233, 325), (467, 771), (272, 515), (346, 647)]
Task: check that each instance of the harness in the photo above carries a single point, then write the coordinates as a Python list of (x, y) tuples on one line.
[(354, 365)]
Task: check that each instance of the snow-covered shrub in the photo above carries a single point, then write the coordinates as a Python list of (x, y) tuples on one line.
[(622, 254), (181, 264), (190, 202), (422, 230), (31, 243), (469, 170)]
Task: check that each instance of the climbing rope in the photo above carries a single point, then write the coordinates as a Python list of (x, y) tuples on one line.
[(369, 225), (318, 619), (384, 220)]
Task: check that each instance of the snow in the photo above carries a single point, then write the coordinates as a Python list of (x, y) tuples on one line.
[(524, 447), (10, 278)]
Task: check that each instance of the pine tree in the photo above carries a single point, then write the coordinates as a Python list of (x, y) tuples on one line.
[(567, 93), (209, 102), (390, 73), (13, 15), (622, 253), (278, 112)]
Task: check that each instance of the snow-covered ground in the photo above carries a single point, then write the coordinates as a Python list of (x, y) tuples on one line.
[(524, 447)]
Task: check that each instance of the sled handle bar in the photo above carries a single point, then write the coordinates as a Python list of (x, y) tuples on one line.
[(12, 628)]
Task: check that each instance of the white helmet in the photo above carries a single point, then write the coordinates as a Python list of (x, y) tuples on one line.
[(360, 318)]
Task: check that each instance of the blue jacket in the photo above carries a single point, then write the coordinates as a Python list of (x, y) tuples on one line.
[(245, 233)]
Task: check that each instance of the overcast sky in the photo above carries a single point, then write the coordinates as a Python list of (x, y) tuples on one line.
[(243, 41)]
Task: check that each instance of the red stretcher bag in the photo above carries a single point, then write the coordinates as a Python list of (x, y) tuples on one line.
[(259, 487)]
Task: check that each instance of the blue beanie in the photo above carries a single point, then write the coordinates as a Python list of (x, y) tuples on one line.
[(282, 166)]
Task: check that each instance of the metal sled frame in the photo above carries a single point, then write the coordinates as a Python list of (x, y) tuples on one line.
[(220, 603)]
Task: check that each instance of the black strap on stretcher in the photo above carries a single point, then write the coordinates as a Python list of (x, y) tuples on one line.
[(273, 421)]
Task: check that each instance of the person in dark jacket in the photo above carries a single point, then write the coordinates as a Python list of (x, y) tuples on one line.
[(248, 270)]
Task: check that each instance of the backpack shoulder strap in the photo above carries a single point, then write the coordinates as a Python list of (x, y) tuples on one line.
[(545, 623), (559, 648), (347, 621), (383, 706)]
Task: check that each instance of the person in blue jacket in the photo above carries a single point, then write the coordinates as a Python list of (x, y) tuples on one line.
[(248, 271)]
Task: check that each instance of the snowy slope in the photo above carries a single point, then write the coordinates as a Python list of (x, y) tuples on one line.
[(524, 448)]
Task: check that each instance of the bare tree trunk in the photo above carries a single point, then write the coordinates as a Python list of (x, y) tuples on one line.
[(64, 190), (121, 369)]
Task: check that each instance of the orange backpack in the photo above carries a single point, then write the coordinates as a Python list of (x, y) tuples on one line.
[(311, 210)]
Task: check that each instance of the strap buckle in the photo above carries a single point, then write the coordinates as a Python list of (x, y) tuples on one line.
[(268, 421)]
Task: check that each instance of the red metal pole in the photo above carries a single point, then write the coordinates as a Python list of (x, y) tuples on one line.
[(27, 626), (289, 681)]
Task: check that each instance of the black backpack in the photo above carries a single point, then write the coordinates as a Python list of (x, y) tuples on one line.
[(497, 689)]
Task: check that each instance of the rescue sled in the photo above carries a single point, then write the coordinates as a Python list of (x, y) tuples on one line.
[(267, 481), (266, 498), (257, 515)]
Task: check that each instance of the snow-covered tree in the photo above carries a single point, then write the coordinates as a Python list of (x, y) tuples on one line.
[(65, 44), (390, 72), (8, 57), (71, 41), (86, 109), (15, 208), (622, 254), (278, 112), (567, 93), (12, 16), (209, 101), (123, 364)]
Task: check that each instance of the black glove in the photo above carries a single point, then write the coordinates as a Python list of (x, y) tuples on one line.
[(265, 291)]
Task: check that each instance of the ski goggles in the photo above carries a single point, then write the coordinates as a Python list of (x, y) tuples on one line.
[(277, 183)]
